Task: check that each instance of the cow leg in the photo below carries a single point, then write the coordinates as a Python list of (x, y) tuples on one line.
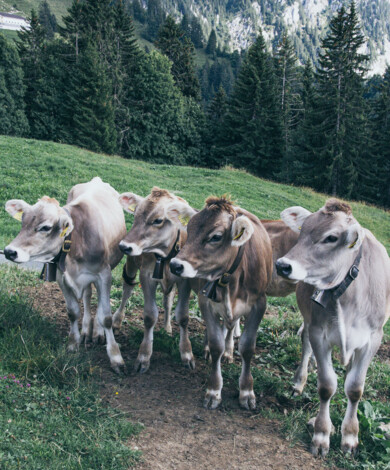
[(182, 317), (300, 376), (354, 386), (87, 324), (127, 289), (150, 315), (74, 312), (229, 344), (104, 316), (237, 329), (168, 301), (216, 344), (327, 385), (246, 348)]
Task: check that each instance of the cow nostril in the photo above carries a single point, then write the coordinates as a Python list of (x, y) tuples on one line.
[(125, 248), (10, 254), (176, 268), (283, 269)]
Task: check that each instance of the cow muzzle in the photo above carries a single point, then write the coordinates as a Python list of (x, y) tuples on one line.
[(176, 267), (283, 269), (182, 268), (130, 249), (16, 255)]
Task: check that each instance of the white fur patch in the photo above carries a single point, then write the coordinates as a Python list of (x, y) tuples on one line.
[(298, 272), (188, 271), (136, 250)]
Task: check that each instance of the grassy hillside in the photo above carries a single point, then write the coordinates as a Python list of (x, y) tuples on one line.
[(31, 169)]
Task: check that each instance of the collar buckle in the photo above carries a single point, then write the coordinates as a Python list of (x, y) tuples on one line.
[(224, 280), (354, 271), (66, 246)]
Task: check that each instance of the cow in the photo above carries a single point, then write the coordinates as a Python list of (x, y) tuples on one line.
[(84, 236), (282, 240), (344, 296), (230, 251), (156, 236)]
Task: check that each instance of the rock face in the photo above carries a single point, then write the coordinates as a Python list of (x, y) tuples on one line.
[(238, 21)]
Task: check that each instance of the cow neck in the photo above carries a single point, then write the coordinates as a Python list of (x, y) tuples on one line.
[(213, 289), (323, 297), (158, 272), (49, 271)]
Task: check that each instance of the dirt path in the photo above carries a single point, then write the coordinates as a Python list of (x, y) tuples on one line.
[(178, 432)]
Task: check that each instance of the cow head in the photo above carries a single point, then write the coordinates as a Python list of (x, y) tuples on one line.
[(327, 245), (157, 219), (44, 226), (213, 237)]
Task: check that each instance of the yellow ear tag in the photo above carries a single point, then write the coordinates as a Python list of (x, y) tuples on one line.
[(184, 219), (63, 233), (353, 243), (18, 216), (131, 207), (299, 228), (239, 235)]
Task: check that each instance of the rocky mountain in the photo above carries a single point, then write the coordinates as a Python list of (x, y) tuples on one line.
[(238, 21)]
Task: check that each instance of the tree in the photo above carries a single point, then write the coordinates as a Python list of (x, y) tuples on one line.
[(47, 20), (196, 35), (74, 27), (172, 42), (88, 104), (215, 117), (13, 120), (252, 129), (155, 18), (286, 72), (340, 108), (30, 47), (211, 47)]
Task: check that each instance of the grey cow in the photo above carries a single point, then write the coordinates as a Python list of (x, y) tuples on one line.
[(345, 300), (94, 219)]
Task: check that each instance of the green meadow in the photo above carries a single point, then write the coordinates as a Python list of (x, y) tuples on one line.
[(30, 169)]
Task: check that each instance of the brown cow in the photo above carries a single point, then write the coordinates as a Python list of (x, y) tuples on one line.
[(229, 249), (94, 218), (350, 271)]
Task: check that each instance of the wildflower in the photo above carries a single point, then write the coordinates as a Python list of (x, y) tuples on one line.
[(68, 398), (21, 385), (116, 393), (29, 385), (7, 386)]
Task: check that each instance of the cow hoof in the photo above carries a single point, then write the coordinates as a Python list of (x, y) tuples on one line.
[(85, 338), (227, 358), (247, 400), (99, 339), (189, 364), (206, 354), (119, 369), (319, 451), (72, 346), (168, 329), (116, 330), (141, 366), (320, 444), (296, 392), (188, 360), (212, 400), (349, 444)]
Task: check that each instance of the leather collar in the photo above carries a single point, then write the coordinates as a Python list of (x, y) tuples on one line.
[(211, 289), (323, 297), (158, 272)]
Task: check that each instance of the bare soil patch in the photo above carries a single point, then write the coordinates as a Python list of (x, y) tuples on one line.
[(178, 432)]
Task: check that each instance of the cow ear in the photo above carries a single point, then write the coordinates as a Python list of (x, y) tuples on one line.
[(65, 224), (355, 236), (16, 207), (129, 201), (179, 212), (242, 230), (294, 217)]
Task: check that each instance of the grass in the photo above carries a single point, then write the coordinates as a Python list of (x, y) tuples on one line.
[(24, 7), (31, 169), (51, 415)]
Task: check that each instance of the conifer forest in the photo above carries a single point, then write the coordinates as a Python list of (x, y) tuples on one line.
[(87, 80)]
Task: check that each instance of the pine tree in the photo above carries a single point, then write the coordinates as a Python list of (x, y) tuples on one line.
[(155, 18), (211, 47), (31, 47), (341, 113), (253, 137), (180, 50), (215, 117), (286, 72), (196, 34), (13, 120), (88, 104), (47, 20), (74, 28), (376, 179)]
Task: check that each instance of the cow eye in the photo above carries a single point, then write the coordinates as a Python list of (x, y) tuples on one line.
[(157, 221), (215, 238), (330, 239), (45, 228)]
